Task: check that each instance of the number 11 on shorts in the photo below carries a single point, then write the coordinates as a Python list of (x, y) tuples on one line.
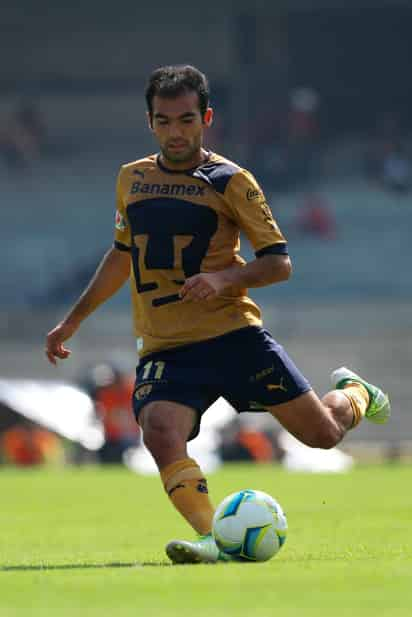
[(158, 368)]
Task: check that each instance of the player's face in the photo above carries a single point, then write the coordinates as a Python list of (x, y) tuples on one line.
[(178, 127)]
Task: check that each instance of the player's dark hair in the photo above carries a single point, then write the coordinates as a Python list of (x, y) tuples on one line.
[(172, 81)]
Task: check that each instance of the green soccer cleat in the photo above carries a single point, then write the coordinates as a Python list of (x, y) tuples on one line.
[(379, 408), (203, 550)]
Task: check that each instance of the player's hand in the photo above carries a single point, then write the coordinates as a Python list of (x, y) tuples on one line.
[(55, 339), (204, 286)]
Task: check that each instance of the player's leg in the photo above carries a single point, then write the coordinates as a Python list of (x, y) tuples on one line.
[(172, 391), (322, 423), (266, 378), (316, 423), (166, 428)]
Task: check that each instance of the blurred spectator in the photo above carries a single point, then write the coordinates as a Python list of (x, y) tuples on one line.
[(303, 121), (112, 393), (303, 133), (241, 442), (316, 218), (26, 444), (23, 138)]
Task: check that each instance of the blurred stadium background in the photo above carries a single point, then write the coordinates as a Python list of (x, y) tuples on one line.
[(314, 97)]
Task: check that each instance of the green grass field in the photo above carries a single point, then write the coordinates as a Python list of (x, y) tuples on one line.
[(89, 541)]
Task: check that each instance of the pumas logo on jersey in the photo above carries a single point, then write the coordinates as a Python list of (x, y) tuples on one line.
[(143, 391), (175, 190), (120, 223), (138, 172)]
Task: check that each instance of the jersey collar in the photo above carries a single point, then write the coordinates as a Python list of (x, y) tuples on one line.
[(188, 172)]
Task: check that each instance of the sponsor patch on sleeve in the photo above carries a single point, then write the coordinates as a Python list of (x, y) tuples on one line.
[(253, 194)]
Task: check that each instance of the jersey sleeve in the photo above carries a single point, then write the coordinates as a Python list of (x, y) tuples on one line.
[(251, 212), (122, 239)]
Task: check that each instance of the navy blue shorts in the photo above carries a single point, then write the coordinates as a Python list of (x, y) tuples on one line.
[(247, 367)]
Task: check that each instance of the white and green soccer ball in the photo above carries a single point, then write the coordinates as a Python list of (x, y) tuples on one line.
[(250, 526)]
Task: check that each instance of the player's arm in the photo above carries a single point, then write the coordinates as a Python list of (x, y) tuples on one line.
[(111, 274), (260, 272)]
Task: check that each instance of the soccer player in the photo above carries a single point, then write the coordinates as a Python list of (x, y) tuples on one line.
[(178, 219)]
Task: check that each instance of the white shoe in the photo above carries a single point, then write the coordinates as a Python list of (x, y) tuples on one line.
[(203, 550), (379, 408)]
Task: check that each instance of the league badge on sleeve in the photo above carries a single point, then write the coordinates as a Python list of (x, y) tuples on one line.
[(120, 223)]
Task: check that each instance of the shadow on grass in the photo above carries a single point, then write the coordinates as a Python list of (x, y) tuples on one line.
[(82, 566)]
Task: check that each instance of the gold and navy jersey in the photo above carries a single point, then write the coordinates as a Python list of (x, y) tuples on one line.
[(178, 223)]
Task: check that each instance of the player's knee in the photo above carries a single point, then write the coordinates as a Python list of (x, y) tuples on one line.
[(159, 431), (157, 434)]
